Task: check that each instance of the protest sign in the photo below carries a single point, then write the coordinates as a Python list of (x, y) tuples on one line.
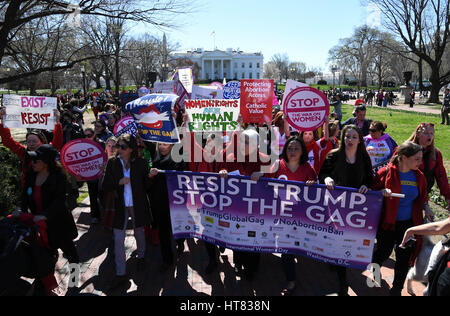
[(232, 90), (212, 115), (29, 112), (274, 216), (153, 116), (166, 87), (217, 85), (306, 108), (205, 93), (172, 87), (256, 101), (126, 125), (84, 158), (185, 77)]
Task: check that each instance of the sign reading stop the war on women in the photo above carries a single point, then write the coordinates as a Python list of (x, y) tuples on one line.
[(256, 101), (84, 158), (29, 112), (275, 216), (306, 108), (213, 115)]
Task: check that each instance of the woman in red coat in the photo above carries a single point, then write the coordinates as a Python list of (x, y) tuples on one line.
[(34, 139), (398, 215)]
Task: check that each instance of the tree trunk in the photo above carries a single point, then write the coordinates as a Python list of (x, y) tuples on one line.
[(420, 65), (435, 85)]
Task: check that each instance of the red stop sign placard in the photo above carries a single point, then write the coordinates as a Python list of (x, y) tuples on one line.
[(84, 158), (306, 108)]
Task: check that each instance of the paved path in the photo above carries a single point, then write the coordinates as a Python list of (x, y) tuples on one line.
[(187, 278)]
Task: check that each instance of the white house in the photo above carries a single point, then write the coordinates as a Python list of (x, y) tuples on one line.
[(230, 64)]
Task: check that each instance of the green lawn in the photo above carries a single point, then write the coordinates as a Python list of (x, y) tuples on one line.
[(402, 124)]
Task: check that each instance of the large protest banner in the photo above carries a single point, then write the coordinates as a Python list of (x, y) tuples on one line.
[(212, 115), (256, 101), (275, 216), (153, 116), (29, 112)]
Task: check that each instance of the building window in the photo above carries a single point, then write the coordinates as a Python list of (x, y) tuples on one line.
[(257, 65), (250, 65), (243, 75), (235, 75), (243, 65), (258, 76), (251, 75), (235, 65)]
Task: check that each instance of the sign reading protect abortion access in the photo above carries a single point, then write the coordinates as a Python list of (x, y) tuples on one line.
[(84, 158), (256, 101), (29, 112), (306, 108), (274, 216)]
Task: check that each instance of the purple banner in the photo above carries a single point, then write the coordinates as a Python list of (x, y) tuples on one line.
[(274, 216)]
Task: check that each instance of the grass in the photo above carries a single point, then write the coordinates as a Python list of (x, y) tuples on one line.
[(401, 125)]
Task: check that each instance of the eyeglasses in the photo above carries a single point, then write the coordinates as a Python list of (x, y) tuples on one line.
[(88, 135), (122, 146)]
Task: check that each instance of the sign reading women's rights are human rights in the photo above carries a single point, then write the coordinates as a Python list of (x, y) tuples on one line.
[(274, 216)]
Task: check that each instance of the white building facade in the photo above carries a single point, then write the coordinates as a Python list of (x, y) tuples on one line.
[(229, 64)]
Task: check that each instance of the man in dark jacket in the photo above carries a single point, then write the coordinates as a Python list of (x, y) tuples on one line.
[(360, 120), (445, 111)]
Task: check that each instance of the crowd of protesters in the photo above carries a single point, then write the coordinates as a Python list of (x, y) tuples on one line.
[(341, 153)]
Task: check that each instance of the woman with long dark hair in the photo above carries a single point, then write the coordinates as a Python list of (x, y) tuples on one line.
[(127, 178), (348, 166)]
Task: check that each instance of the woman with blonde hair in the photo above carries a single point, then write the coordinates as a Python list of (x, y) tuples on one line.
[(433, 164)]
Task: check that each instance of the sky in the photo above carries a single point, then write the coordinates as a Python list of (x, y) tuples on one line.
[(305, 30)]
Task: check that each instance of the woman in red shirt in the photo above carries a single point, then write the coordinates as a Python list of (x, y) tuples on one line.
[(293, 166)]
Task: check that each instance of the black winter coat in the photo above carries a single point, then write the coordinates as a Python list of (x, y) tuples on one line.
[(60, 223)]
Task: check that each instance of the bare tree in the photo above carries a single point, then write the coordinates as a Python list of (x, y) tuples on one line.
[(424, 27), (281, 62), (18, 14)]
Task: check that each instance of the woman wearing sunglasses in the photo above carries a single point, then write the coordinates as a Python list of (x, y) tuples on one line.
[(380, 145), (433, 164), (127, 177)]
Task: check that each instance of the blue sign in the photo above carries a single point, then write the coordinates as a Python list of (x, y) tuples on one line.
[(153, 116), (232, 90)]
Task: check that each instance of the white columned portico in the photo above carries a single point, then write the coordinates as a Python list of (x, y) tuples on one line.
[(203, 69)]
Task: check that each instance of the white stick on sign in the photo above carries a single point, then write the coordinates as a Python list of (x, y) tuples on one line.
[(397, 195)]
